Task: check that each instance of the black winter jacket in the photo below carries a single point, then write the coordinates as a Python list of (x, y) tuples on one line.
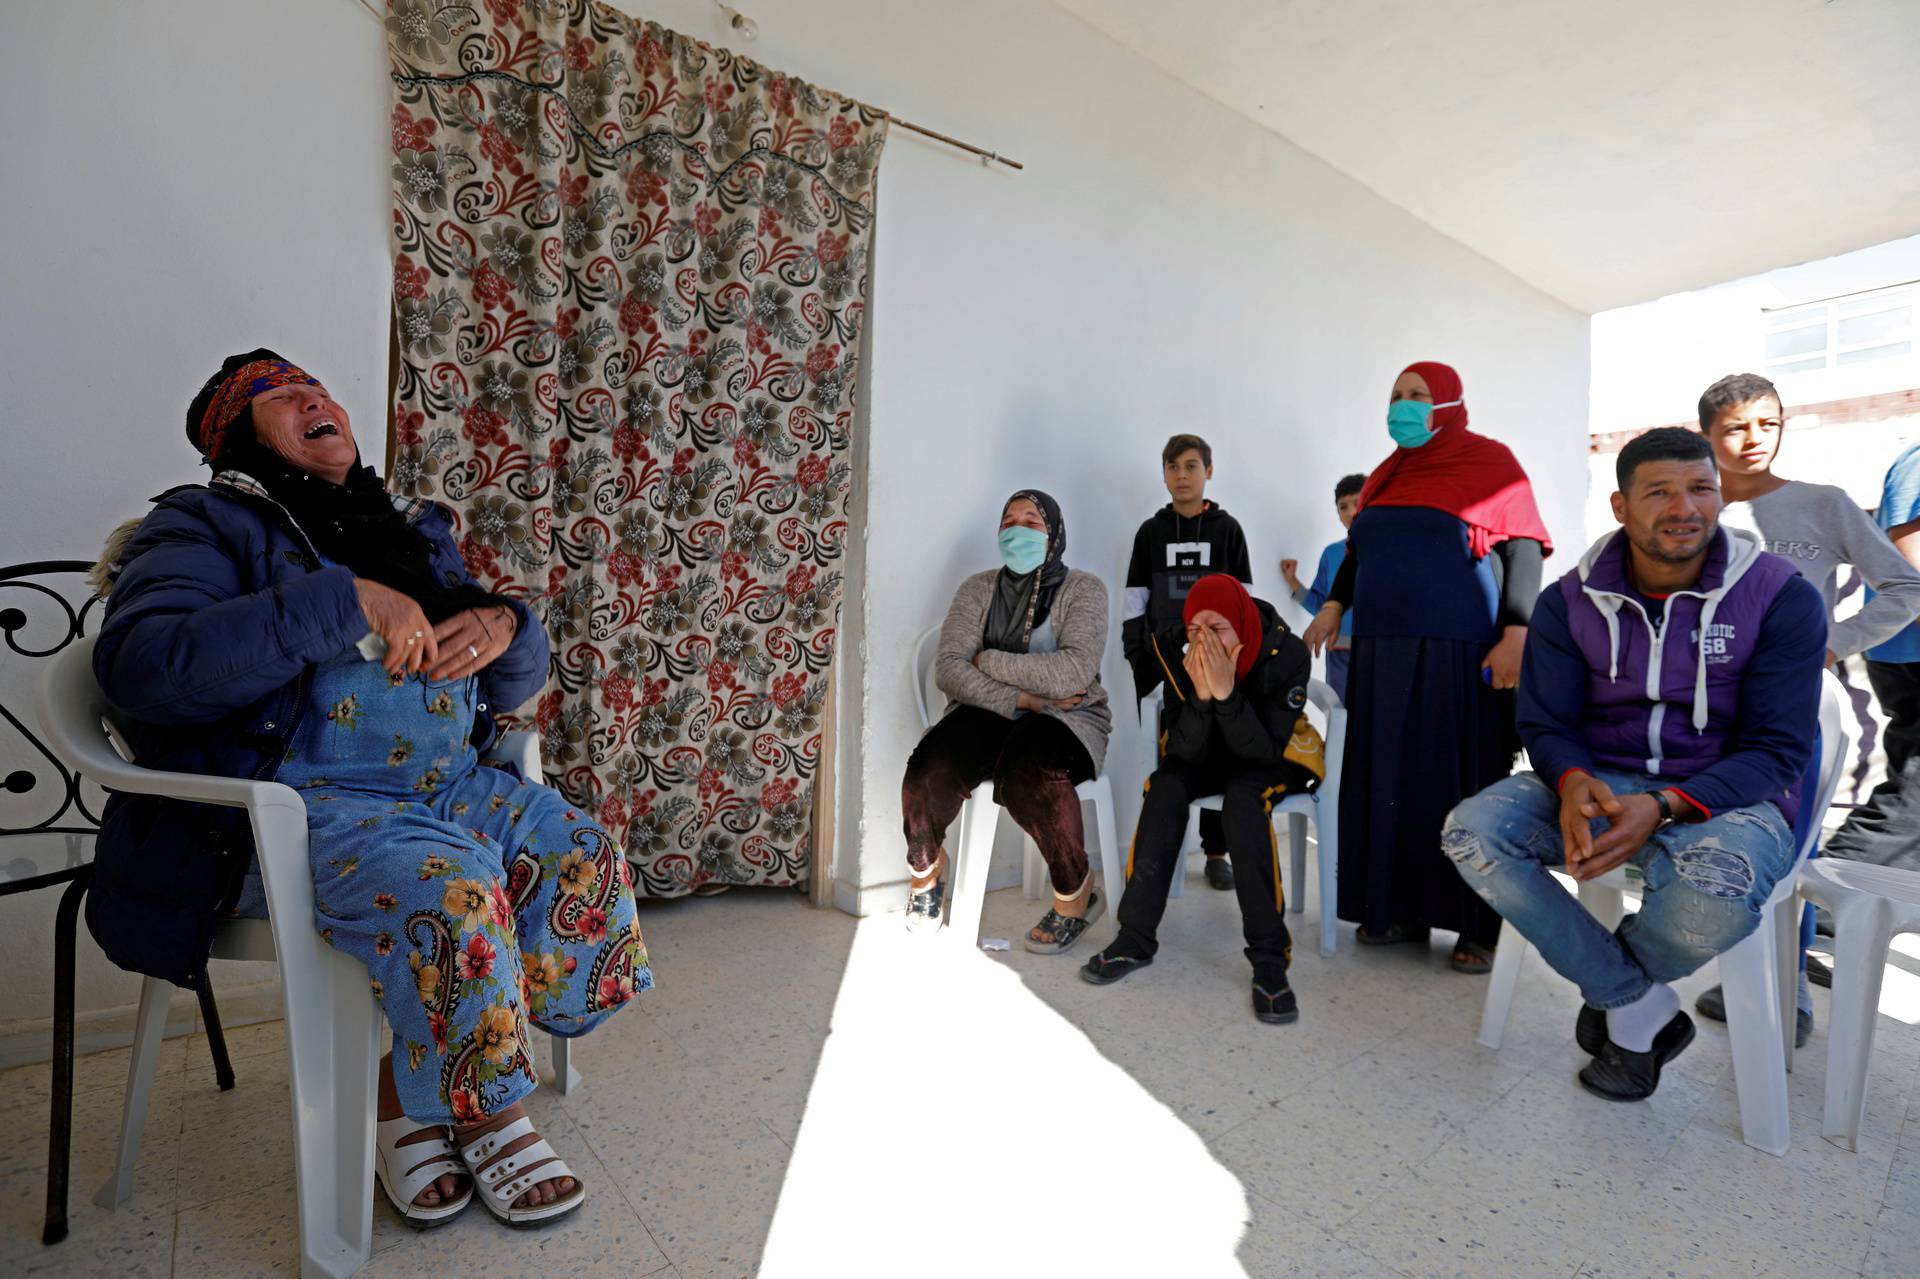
[(1261, 724), (218, 614)]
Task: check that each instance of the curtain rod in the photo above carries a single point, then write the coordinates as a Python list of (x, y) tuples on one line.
[(986, 157)]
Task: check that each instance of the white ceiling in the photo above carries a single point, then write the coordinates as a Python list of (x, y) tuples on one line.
[(1605, 151)]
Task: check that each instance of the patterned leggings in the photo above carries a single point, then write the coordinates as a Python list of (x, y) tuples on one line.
[(467, 941), (477, 901)]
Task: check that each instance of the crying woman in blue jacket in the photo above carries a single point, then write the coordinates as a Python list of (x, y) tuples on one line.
[(291, 621)]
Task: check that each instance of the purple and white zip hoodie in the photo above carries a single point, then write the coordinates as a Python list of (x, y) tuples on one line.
[(1716, 686)]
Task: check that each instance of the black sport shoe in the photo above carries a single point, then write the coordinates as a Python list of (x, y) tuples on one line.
[(1712, 1005), (1619, 1075), (1275, 1007), (1590, 1030), (1220, 874)]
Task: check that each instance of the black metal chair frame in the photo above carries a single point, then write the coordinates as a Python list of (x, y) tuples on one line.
[(75, 821)]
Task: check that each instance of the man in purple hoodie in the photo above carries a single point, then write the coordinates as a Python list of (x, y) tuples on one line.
[(1669, 701)]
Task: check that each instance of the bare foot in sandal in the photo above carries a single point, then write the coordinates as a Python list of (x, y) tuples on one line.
[(926, 896), (1053, 933), (541, 1193), (1472, 958), (448, 1186)]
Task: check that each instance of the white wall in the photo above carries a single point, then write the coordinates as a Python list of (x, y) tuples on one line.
[(1161, 265), (209, 174), (184, 180)]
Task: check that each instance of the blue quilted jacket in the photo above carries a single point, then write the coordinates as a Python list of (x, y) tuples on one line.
[(219, 611)]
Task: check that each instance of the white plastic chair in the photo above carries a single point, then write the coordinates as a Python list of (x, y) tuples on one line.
[(1322, 805), (971, 846), (1870, 905), (1759, 977), (333, 1023)]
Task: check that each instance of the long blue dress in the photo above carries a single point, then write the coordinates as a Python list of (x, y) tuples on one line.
[(478, 901), (1423, 730)]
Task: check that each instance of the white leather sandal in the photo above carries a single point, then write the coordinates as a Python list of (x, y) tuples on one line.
[(506, 1179), (405, 1171)]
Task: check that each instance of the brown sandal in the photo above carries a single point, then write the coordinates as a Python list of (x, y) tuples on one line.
[(1473, 959)]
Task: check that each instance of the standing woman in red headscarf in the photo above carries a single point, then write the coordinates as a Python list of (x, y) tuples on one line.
[(1442, 571)]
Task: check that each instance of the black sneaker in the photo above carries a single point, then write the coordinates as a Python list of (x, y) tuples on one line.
[(924, 908), (1590, 1030), (1220, 874), (1819, 972), (1619, 1075), (1275, 1007), (1712, 1005)]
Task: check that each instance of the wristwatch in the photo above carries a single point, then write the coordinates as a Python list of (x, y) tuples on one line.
[(1666, 809)]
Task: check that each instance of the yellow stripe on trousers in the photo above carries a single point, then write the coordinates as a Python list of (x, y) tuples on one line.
[(1134, 846), (1279, 889)]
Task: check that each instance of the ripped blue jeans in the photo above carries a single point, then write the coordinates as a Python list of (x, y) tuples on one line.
[(1706, 883)]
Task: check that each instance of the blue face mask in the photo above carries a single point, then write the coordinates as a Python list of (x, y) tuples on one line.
[(1022, 549), (1407, 421)]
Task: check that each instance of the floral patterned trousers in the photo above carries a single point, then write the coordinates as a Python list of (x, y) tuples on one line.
[(479, 902)]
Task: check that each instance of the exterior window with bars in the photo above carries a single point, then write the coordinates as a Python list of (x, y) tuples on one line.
[(1840, 331)]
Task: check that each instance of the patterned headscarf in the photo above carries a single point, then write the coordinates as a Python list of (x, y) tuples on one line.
[(234, 395), (354, 523)]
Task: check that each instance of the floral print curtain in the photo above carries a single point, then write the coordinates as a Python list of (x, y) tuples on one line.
[(630, 272)]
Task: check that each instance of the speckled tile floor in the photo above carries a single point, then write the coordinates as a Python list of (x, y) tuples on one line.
[(806, 1094)]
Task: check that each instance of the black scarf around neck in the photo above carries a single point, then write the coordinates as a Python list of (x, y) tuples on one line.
[(1024, 601), (355, 524)]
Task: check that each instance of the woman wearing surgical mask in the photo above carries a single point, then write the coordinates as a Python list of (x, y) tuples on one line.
[(1019, 662), (1442, 571)]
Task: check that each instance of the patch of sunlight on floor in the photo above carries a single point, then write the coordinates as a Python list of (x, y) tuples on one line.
[(962, 1126), (1900, 989)]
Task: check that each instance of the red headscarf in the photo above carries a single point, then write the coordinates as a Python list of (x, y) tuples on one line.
[(1467, 475), (1226, 596)]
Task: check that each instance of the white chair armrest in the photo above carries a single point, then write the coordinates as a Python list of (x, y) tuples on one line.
[(521, 748), (73, 712), (231, 792), (1150, 707)]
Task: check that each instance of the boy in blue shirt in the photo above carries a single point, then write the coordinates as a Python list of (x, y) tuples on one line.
[(1886, 829), (1346, 501)]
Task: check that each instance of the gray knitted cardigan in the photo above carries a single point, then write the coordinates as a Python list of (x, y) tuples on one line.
[(1080, 624)]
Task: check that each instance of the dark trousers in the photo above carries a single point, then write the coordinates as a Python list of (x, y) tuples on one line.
[(1885, 830), (1213, 833), (1247, 799), (1213, 836), (1034, 762), (1339, 663)]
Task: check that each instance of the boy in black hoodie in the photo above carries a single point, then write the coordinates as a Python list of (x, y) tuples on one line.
[(1233, 726), (1186, 539)]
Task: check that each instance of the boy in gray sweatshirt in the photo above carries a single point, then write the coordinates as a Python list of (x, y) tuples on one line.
[(1817, 526)]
